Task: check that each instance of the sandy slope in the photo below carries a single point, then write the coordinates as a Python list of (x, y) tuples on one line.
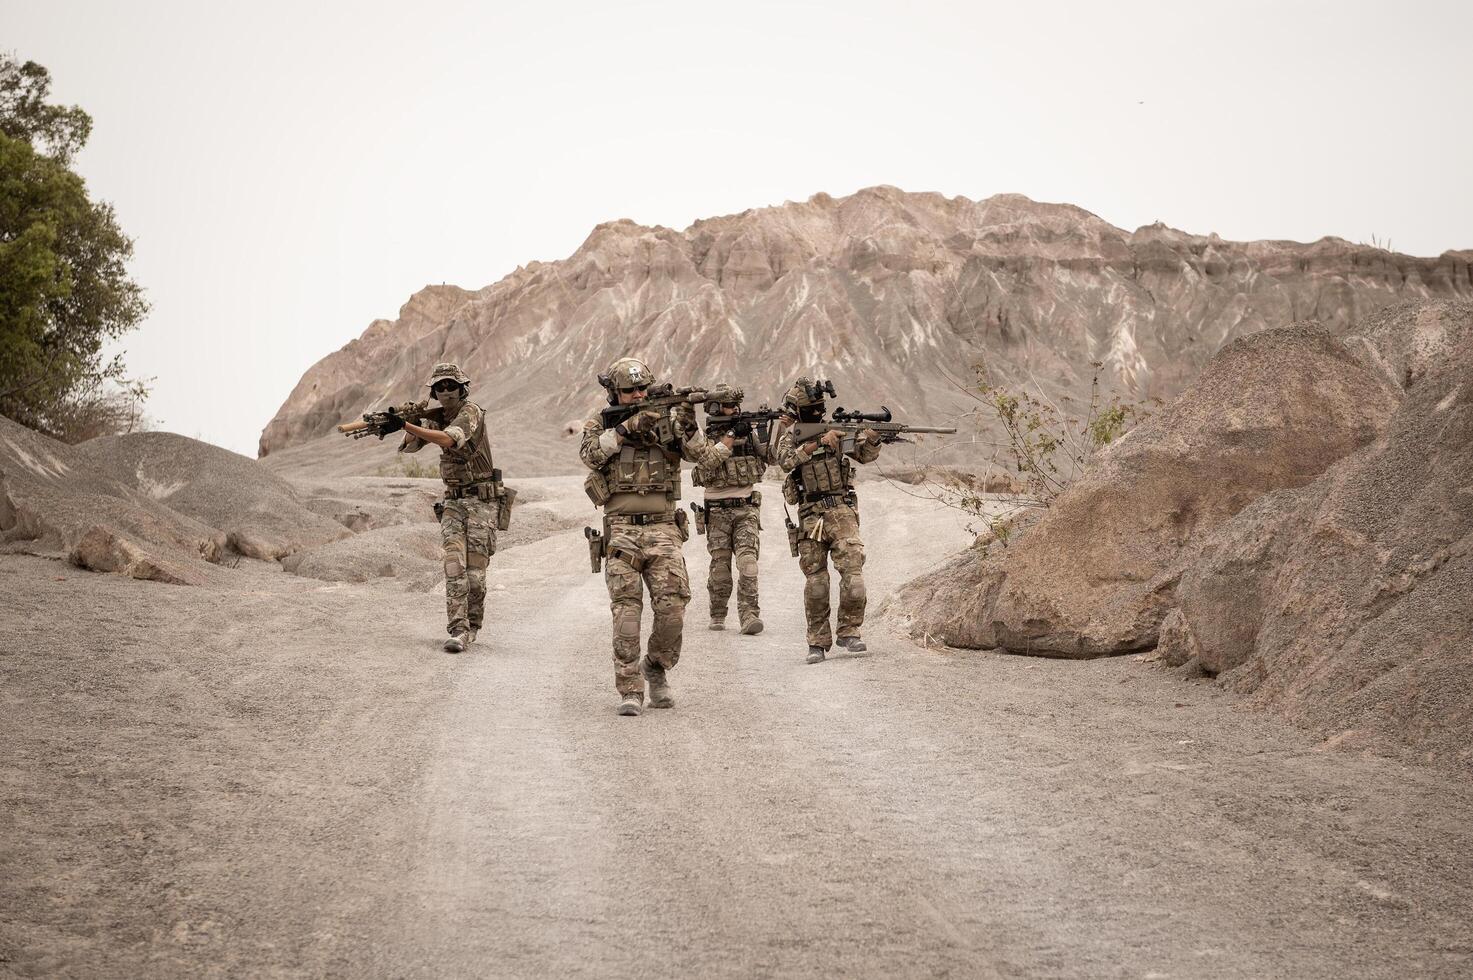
[(286, 778)]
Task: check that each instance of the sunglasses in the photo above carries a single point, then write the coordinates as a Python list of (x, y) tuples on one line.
[(445, 386), (628, 391)]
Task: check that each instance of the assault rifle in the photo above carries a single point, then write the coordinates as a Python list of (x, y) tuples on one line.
[(850, 424), (743, 424), (662, 398), (392, 419)]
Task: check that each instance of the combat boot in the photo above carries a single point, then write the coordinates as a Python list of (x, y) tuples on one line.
[(718, 624), (455, 643), (815, 655), (632, 705), (654, 675), (470, 637), (852, 643), (752, 627)]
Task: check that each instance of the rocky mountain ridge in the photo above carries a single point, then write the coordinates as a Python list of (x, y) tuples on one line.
[(896, 296)]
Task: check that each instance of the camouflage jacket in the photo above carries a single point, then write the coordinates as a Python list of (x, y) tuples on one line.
[(637, 477), (469, 461)]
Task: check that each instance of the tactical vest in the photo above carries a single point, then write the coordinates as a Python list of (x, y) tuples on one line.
[(470, 463), (742, 469), (826, 473)]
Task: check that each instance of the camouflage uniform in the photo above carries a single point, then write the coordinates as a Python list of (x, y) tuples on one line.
[(638, 485), (828, 519), (469, 511), (733, 521)]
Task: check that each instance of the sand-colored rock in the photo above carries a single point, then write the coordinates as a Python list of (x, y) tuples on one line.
[(101, 549), (1348, 605), (1097, 575)]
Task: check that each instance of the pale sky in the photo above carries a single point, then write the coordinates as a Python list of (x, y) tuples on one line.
[(290, 171)]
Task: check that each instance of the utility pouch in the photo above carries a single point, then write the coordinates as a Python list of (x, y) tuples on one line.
[(597, 488), (793, 535), (790, 487), (503, 509), (597, 546), (682, 524), (485, 492), (756, 498), (439, 510), (700, 513)]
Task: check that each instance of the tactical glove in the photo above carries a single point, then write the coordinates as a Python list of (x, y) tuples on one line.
[(391, 423), (639, 422), (684, 418)]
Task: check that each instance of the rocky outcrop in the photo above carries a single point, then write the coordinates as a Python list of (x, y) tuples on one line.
[(53, 502), (1097, 574), (893, 295), (150, 505), (1348, 605), (261, 514), (1299, 524)]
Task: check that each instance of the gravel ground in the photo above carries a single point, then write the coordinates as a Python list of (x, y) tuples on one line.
[(285, 777)]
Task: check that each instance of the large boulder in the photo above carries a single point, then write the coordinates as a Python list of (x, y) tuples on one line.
[(1348, 604), (1097, 575)]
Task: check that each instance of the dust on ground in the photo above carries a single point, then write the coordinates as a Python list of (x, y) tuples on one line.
[(280, 776)]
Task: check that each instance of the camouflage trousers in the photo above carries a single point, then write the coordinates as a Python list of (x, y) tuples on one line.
[(639, 558), (733, 532), (468, 536), (832, 533)]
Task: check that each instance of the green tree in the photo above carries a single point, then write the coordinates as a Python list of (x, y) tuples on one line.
[(64, 285)]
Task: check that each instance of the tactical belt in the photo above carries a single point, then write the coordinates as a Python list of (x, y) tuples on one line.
[(468, 489), (666, 518), (461, 492), (729, 502), (826, 500)]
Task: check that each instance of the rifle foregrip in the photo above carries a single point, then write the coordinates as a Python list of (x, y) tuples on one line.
[(357, 426)]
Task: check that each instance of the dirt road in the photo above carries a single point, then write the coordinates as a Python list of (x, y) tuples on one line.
[(289, 779)]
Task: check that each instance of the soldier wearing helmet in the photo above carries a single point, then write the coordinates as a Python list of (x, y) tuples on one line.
[(732, 514), (820, 481), (636, 480), (474, 500)]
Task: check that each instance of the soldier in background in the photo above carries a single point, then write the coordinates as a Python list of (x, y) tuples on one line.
[(474, 501), (820, 480), (636, 480), (732, 515)]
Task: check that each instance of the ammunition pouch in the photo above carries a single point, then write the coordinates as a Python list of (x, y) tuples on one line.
[(597, 548), (793, 536), (700, 513), (596, 485)]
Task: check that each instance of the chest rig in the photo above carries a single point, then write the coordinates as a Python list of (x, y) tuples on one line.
[(742, 469), (825, 475), (644, 469), (470, 463)]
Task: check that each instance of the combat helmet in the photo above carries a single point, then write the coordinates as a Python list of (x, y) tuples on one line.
[(445, 370), (626, 374), (805, 399)]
